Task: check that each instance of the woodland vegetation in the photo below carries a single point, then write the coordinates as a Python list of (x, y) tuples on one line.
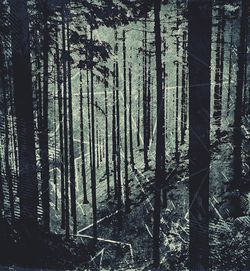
[(124, 134)]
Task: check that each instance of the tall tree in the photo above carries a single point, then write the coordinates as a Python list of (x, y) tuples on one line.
[(71, 138), (44, 149), (138, 112), (61, 140), (219, 67), (160, 137), (229, 71), (106, 132), (83, 168), (127, 203), (184, 88), (237, 134), (131, 148), (145, 95), (114, 132), (93, 146), (199, 48), (23, 95), (177, 154), (65, 119), (4, 97), (118, 136)]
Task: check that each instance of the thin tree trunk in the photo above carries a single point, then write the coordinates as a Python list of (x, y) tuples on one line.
[(184, 89), (130, 121), (1, 189), (93, 172), (45, 175), (177, 154), (229, 73), (55, 137), (71, 140), (106, 134), (61, 139), (145, 97), (97, 145), (89, 122), (219, 68), (83, 168), (149, 101), (119, 188), (164, 84), (65, 122), (114, 135), (138, 113), (118, 147), (127, 200)]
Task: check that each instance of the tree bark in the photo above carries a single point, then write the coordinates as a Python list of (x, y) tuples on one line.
[(237, 134), (83, 168), (127, 200), (199, 49), (23, 94), (160, 137)]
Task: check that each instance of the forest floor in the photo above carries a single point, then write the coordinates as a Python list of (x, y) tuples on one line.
[(128, 245)]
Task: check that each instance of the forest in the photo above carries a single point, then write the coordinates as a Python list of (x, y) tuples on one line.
[(125, 135)]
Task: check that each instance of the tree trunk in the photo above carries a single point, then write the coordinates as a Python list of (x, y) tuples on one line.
[(184, 89), (177, 154), (89, 122), (199, 49), (237, 134), (65, 122), (83, 168), (145, 97), (45, 175), (4, 102), (61, 140), (23, 94), (127, 200), (106, 133), (118, 147), (130, 121), (219, 67), (138, 112), (229, 73), (160, 137), (93, 172), (114, 135), (71, 140)]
